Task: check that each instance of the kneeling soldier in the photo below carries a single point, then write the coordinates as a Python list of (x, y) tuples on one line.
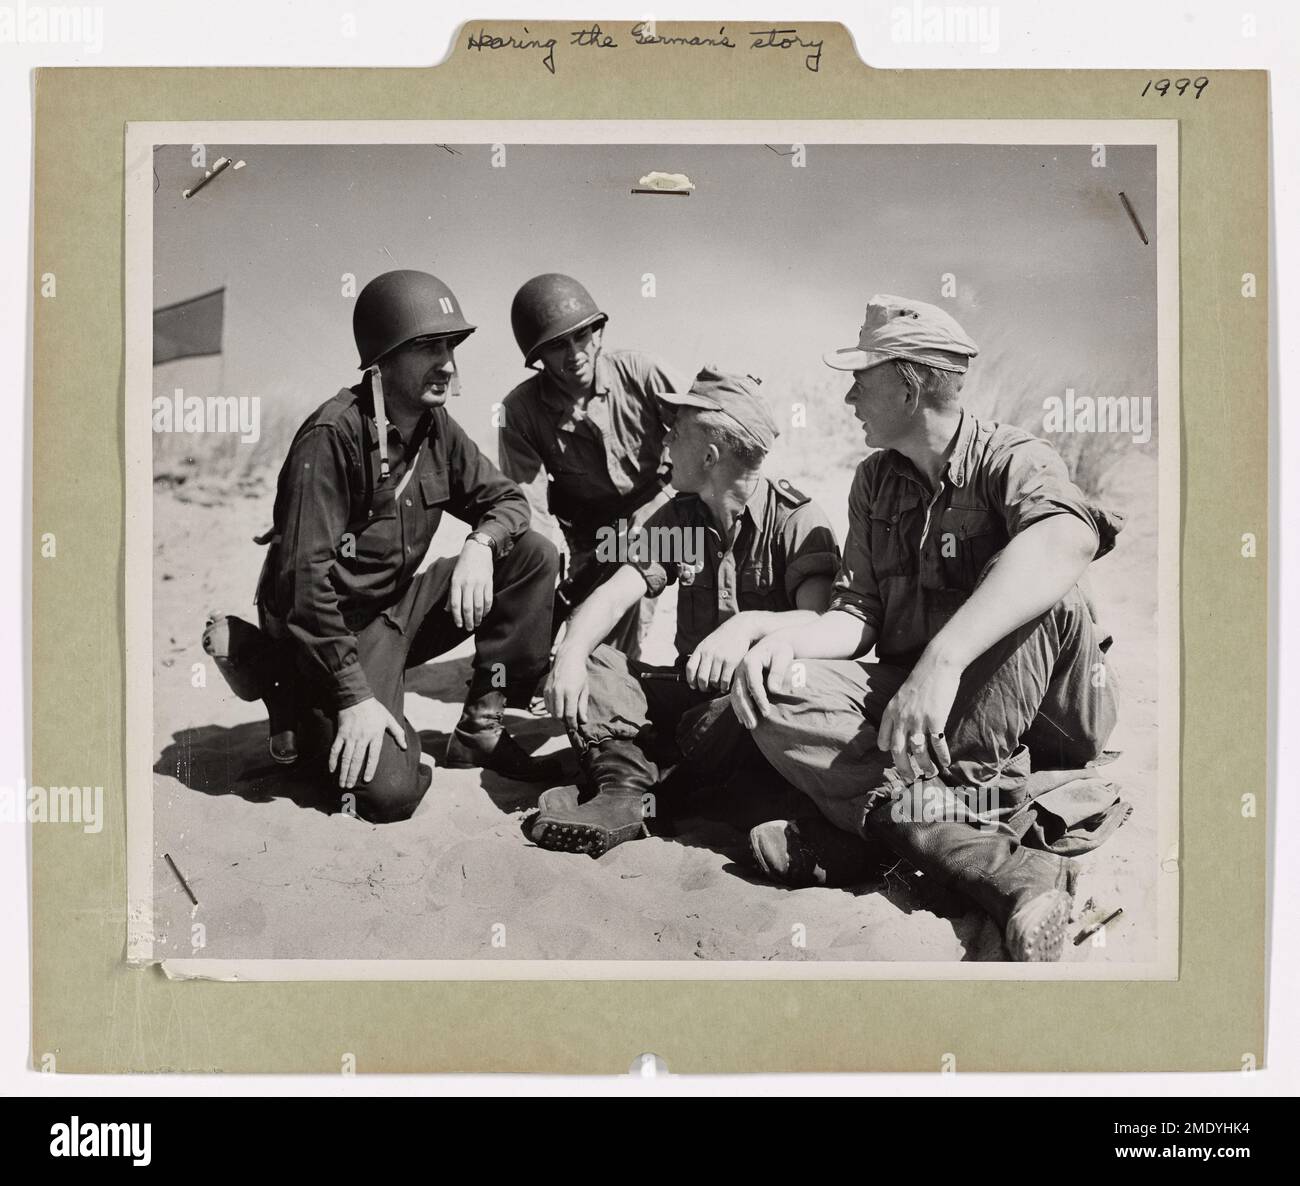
[(966, 544), (584, 436), (749, 555), (346, 600)]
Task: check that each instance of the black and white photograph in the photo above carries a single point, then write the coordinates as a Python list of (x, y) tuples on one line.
[(657, 550)]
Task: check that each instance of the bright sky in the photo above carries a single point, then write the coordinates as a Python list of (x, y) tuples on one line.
[(761, 269)]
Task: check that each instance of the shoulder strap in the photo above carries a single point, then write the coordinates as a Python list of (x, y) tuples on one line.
[(790, 494)]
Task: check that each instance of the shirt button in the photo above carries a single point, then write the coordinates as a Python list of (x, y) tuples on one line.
[(408, 502)]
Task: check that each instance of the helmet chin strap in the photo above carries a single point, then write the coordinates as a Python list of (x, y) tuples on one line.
[(381, 420)]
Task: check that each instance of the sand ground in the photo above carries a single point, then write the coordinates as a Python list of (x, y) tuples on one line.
[(277, 876)]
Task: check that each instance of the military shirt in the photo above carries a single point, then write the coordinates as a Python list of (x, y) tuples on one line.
[(913, 555), (780, 539), (345, 545), (579, 464)]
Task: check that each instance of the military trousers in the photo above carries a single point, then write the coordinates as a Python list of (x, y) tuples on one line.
[(1042, 698), (511, 652)]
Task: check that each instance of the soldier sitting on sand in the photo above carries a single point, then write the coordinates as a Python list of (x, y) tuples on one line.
[(767, 560), (967, 541)]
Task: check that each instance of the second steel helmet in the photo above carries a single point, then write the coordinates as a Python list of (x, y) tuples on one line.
[(549, 307), (398, 306)]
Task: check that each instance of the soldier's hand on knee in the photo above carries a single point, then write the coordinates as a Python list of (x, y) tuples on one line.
[(742, 699), (912, 727), (359, 741), (470, 597), (712, 665), (778, 674), (768, 661), (566, 692)]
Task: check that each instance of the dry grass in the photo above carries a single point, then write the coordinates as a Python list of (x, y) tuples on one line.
[(1004, 385), (207, 467)]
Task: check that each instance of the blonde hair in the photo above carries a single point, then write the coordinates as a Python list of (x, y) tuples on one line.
[(942, 388)]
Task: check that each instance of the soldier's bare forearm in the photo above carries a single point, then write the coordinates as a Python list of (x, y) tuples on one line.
[(1030, 575), (760, 623), (600, 613), (835, 634)]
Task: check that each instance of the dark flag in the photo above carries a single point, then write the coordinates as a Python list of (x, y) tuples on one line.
[(189, 328)]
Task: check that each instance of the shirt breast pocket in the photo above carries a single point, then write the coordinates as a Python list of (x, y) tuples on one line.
[(969, 538), (367, 546), (697, 603), (758, 587), (435, 490), (893, 535)]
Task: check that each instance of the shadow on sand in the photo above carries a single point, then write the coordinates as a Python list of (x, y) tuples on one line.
[(234, 761)]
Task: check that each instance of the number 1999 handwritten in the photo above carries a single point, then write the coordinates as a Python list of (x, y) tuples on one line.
[(1181, 85)]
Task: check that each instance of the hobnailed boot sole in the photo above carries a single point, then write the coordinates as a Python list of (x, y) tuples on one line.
[(560, 827), (1032, 891), (1036, 932)]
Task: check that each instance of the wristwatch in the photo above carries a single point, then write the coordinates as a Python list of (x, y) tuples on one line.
[(482, 537)]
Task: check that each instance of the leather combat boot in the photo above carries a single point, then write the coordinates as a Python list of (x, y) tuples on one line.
[(1028, 893), (610, 811), (480, 739), (246, 658), (811, 851)]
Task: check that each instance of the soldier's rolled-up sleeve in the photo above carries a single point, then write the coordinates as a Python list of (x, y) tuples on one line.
[(481, 495), (855, 590), (315, 518), (811, 549), (1031, 482), (659, 574)]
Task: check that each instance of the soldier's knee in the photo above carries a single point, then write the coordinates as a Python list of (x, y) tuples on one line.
[(536, 553), (389, 797), (606, 661), (772, 731), (398, 785), (1072, 611)]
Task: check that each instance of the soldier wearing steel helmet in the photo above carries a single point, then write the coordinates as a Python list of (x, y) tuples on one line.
[(347, 601), (584, 436)]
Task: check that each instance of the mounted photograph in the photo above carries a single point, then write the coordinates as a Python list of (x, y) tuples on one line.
[(675, 550)]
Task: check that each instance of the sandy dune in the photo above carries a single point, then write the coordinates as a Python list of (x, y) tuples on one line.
[(276, 876)]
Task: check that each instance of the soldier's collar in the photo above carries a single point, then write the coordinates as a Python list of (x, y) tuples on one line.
[(959, 460), (756, 505)]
